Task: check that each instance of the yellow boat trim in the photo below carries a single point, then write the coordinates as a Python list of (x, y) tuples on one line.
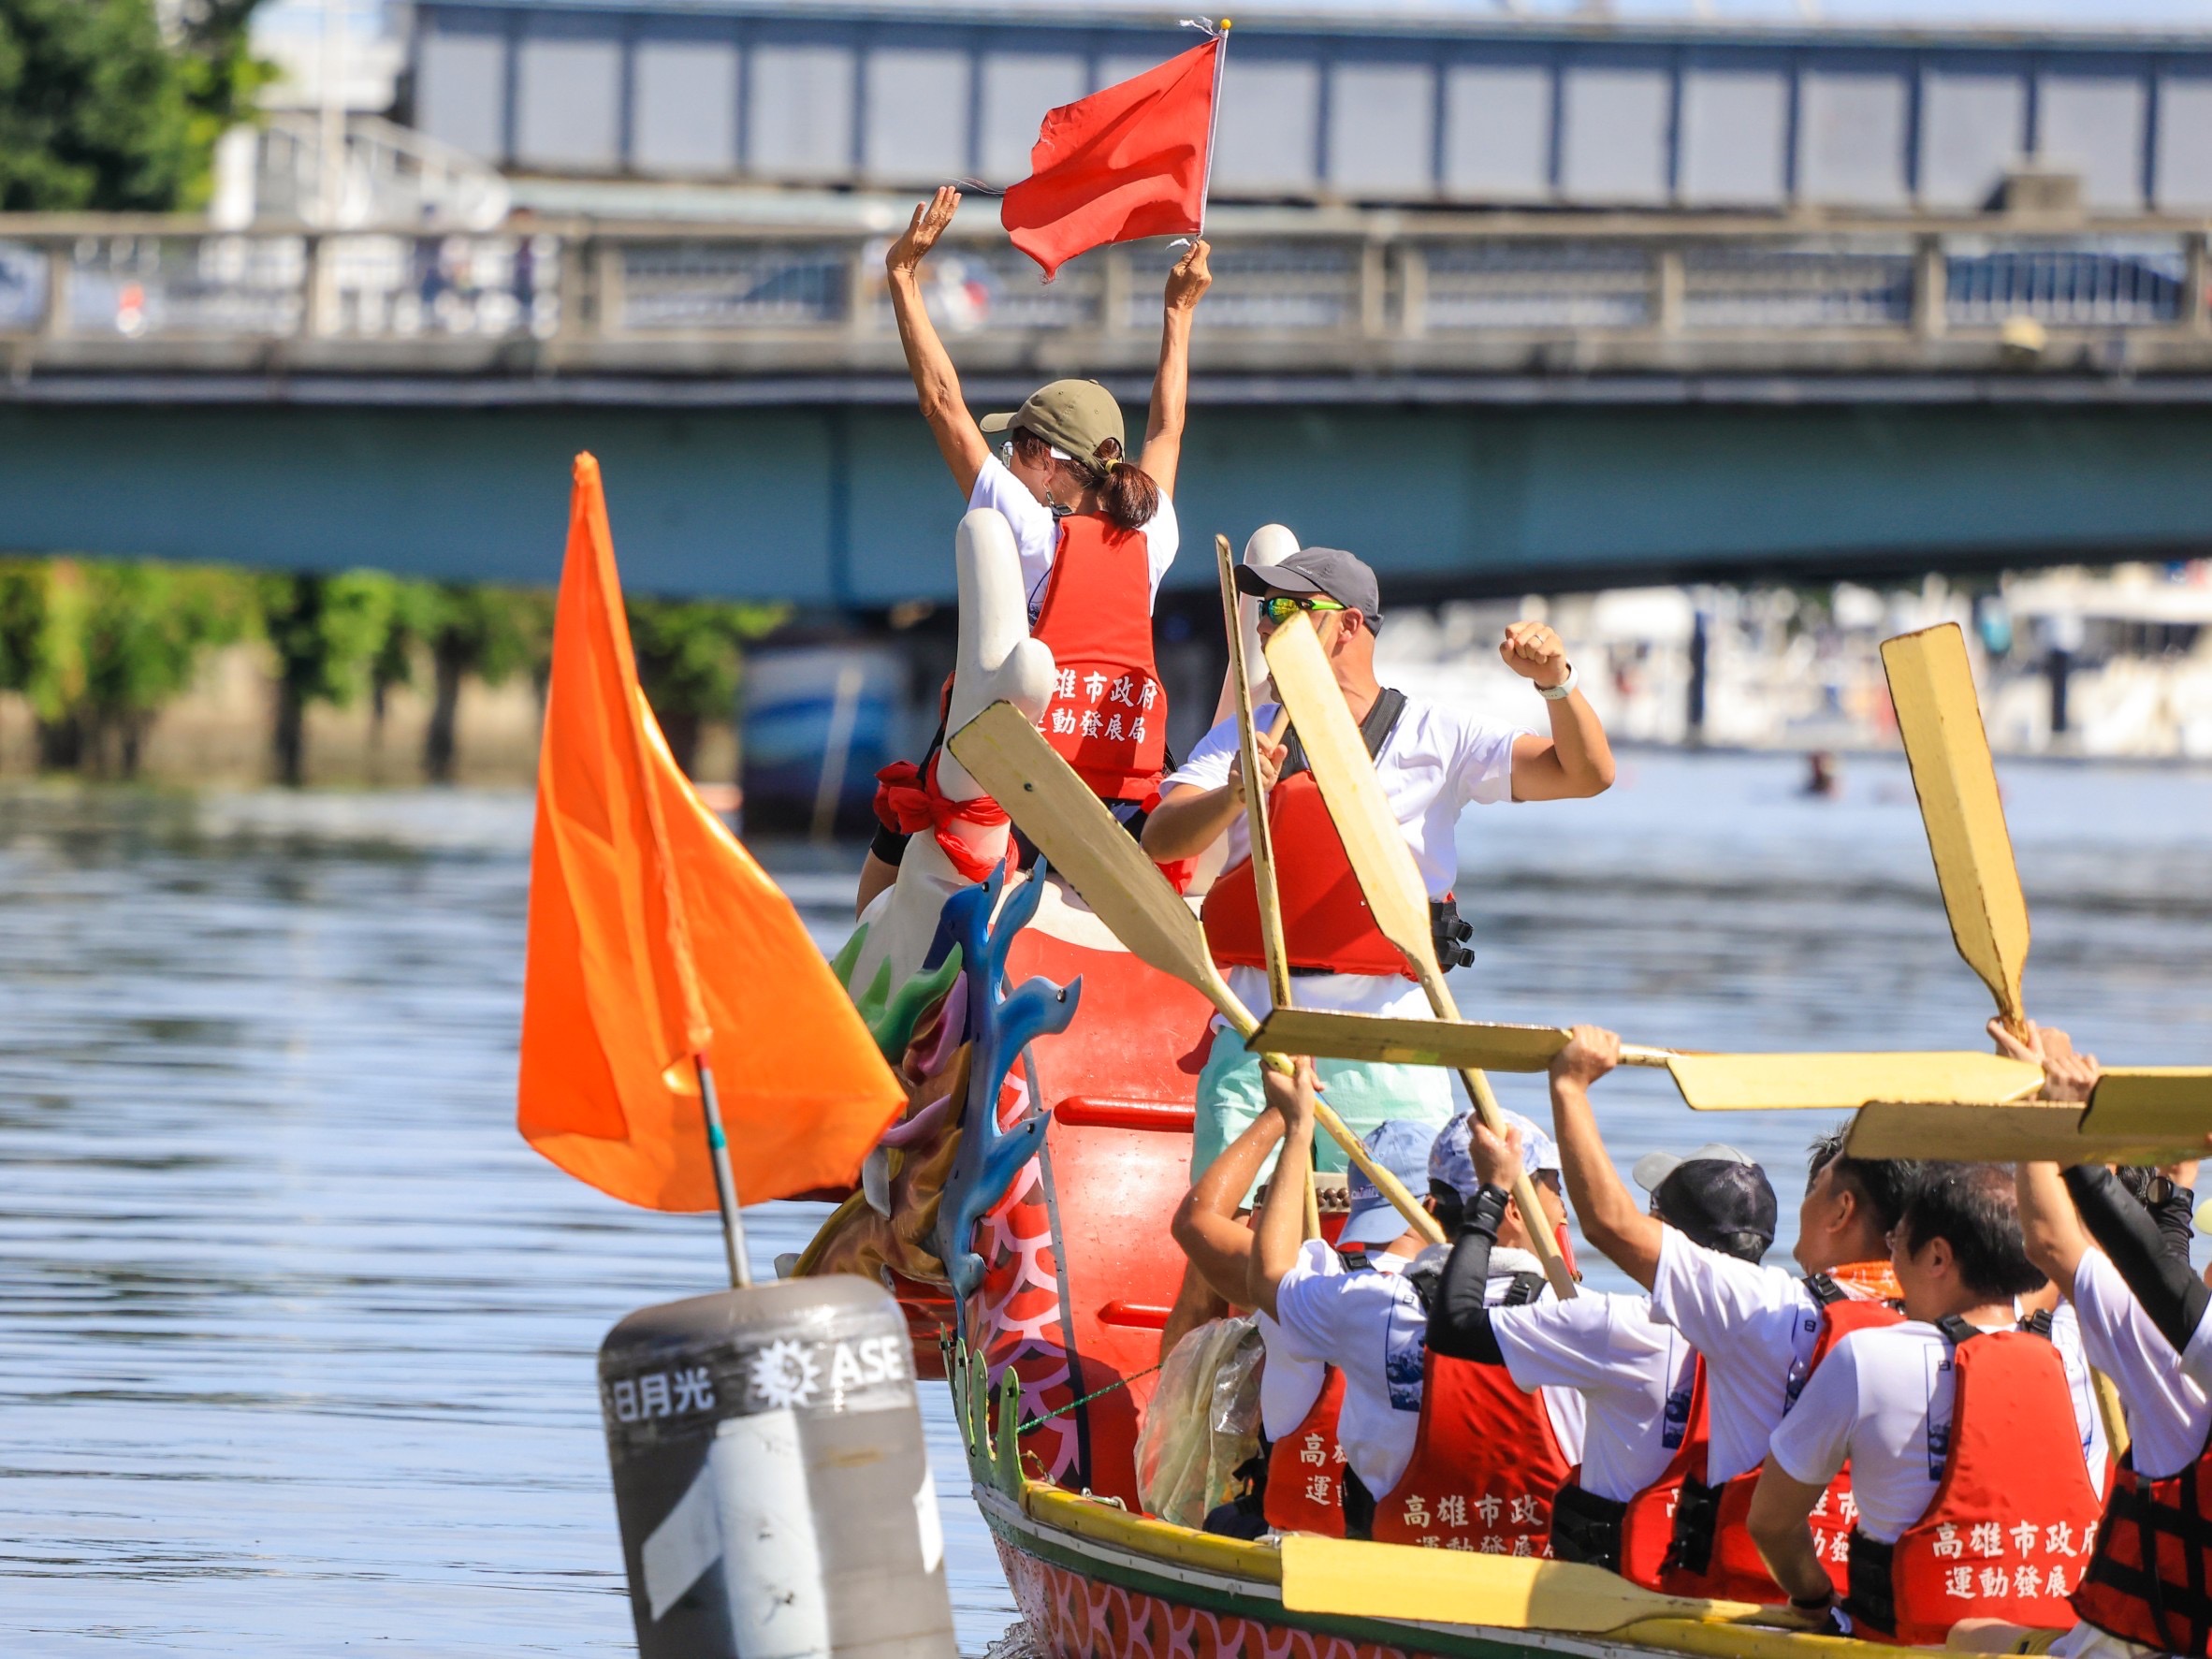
[(1108, 1523)]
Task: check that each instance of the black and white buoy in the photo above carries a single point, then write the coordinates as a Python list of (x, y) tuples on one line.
[(770, 1474)]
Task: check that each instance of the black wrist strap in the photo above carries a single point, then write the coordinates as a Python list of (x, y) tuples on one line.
[(1489, 1213)]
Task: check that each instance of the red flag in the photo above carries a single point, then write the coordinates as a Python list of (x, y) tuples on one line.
[(654, 937), (1127, 162)]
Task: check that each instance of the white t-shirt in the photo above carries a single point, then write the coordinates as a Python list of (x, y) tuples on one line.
[(2168, 1411), (1634, 1375), (1881, 1399), (2196, 1358), (1371, 1325), (1755, 1325), (1289, 1383), (1438, 761), (1037, 531)]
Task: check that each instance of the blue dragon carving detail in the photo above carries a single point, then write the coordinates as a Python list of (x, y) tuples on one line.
[(1001, 1024)]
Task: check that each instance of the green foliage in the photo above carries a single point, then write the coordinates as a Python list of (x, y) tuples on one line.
[(690, 652), (146, 629), (41, 637), (98, 647), (494, 632), (328, 630), (98, 111)]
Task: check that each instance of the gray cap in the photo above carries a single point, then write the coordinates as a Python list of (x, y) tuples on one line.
[(1654, 1167), (1075, 416), (1318, 570)]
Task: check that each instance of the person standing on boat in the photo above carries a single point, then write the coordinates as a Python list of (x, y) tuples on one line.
[(1372, 1326), (1637, 1378), (1970, 1447), (1433, 762), (1295, 1484), (1096, 530)]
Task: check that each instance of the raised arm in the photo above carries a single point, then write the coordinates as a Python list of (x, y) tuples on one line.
[(1458, 1320), (936, 385), (2054, 1233), (1170, 385), (1205, 1224), (1280, 1229), (1613, 1222), (1576, 761)]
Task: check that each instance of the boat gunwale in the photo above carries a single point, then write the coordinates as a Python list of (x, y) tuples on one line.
[(1098, 1552)]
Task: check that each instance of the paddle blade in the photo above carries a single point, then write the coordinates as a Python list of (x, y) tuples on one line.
[(1259, 833), (1407, 1042), (1341, 1578), (2162, 1100), (2035, 1132), (1372, 841), (1844, 1082), (1939, 720), (1089, 850)]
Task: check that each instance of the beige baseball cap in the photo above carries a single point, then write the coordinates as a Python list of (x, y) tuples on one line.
[(1075, 416)]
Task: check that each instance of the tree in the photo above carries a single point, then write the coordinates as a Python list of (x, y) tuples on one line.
[(98, 110), (490, 632), (689, 653), (42, 648), (146, 628), (326, 632)]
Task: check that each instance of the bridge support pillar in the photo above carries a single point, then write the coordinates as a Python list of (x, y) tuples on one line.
[(2196, 314), (1931, 287)]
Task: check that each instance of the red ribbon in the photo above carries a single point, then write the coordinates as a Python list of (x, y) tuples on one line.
[(908, 800)]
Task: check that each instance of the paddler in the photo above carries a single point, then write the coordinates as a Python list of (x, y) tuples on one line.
[(1096, 529), (1399, 1442), (1433, 761), (1974, 1459), (2145, 1322)]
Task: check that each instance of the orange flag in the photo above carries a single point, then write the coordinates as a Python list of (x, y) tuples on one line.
[(655, 937)]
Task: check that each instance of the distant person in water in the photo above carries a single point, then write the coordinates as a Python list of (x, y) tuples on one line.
[(1824, 778), (1096, 530)]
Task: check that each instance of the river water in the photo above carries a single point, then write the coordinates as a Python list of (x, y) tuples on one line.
[(296, 1353)]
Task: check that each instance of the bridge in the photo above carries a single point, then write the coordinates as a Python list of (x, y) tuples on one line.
[(1481, 401)]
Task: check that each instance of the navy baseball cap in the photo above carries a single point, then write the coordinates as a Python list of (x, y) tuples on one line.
[(1329, 571), (1400, 1146), (1717, 1197)]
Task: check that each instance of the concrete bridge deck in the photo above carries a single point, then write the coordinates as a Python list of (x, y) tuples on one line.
[(1478, 404)]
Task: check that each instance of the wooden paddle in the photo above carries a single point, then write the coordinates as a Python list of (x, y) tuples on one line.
[(1426, 1042), (2036, 1131), (1097, 858), (2156, 1101), (1353, 1580), (1258, 830), (1709, 1082), (1931, 685), (1374, 843)]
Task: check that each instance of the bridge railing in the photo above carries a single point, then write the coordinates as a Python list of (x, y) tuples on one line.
[(1446, 284)]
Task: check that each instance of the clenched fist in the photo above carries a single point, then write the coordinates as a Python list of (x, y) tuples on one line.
[(1533, 651)]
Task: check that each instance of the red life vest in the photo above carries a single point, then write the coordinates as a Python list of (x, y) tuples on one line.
[(1108, 717), (1327, 927), (1982, 1549), (1486, 1461), (1710, 1550), (1306, 1469), (2149, 1581)]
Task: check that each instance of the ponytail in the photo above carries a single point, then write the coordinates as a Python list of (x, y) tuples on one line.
[(1127, 495)]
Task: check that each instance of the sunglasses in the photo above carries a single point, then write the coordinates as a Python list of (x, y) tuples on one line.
[(1281, 608)]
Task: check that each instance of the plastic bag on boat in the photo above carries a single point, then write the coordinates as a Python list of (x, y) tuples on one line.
[(1203, 1422)]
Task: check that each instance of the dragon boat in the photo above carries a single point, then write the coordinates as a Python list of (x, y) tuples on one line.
[(1019, 1209), (1026, 1235)]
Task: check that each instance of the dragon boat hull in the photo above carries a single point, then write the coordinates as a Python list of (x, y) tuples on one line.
[(1064, 1208)]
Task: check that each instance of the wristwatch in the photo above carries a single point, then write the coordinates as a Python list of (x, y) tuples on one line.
[(1560, 693)]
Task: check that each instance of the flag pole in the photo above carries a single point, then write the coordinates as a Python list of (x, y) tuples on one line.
[(1213, 125), (725, 1186)]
